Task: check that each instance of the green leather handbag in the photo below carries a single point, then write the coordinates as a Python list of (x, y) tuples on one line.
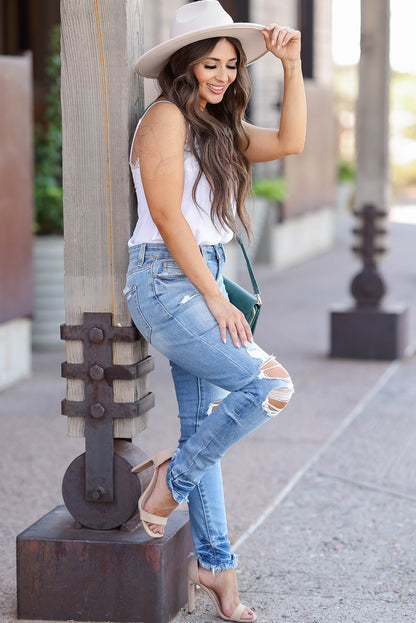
[(249, 304)]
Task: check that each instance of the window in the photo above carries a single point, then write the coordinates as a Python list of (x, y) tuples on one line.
[(306, 19), (238, 9), (23, 26)]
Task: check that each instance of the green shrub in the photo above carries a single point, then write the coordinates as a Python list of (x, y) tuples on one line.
[(273, 189), (48, 149), (346, 171)]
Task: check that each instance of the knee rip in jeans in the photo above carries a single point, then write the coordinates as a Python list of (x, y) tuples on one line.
[(279, 396), (270, 368), (213, 406)]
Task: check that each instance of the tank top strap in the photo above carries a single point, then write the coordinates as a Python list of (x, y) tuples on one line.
[(139, 122)]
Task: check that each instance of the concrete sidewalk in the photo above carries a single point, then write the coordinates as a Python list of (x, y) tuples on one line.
[(320, 501), (338, 544)]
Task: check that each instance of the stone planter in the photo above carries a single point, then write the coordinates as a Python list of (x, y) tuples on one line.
[(48, 289), (299, 238)]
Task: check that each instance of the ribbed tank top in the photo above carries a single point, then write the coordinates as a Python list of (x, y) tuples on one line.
[(198, 216)]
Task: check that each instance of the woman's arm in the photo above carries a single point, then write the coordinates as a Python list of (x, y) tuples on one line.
[(160, 144), (267, 143)]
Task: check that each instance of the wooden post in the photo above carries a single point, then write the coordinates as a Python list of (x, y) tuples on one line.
[(372, 126), (368, 330), (101, 101), (67, 572)]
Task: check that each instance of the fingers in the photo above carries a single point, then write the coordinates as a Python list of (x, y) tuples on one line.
[(240, 331), (247, 331), (230, 319), (277, 37), (223, 330), (238, 328)]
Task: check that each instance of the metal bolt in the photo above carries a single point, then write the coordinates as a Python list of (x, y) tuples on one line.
[(96, 373), (96, 335), (98, 493), (97, 410)]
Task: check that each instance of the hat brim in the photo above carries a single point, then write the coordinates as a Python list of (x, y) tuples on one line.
[(250, 36)]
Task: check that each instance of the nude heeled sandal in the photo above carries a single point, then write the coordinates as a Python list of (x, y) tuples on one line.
[(193, 579), (156, 461)]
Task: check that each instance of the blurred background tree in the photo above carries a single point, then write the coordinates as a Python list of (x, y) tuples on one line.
[(48, 149), (402, 126)]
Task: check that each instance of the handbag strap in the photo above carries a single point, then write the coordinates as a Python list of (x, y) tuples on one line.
[(256, 288)]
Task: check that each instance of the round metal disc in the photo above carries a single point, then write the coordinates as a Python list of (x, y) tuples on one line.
[(127, 489)]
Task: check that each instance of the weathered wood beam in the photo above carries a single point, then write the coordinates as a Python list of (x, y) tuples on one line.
[(101, 101), (372, 123)]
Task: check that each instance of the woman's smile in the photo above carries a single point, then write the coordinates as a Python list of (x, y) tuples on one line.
[(216, 72), (216, 88)]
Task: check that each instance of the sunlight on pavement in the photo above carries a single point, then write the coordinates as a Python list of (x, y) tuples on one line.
[(403, 214)]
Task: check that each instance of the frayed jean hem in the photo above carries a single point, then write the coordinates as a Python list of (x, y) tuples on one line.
[(176, 496), (231, 564)]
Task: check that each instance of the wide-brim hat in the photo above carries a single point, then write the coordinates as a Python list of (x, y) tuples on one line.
[(201, 20)]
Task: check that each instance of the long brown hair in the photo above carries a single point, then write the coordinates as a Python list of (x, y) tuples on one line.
[(215, 139)]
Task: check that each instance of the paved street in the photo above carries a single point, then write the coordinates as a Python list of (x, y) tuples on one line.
[(321, 502)]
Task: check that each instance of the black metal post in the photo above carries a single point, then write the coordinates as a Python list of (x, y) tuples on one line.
[(368, 330), (368, 287)]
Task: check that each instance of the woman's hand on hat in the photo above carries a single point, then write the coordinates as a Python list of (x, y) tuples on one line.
[(283, 42)]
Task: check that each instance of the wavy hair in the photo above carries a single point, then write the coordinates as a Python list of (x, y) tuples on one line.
[(215, 139)]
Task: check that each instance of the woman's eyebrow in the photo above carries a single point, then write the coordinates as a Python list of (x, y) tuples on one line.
[(211, 58)]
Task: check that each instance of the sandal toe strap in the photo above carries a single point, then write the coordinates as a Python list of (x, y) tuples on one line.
[(150, 518), (238, 612)]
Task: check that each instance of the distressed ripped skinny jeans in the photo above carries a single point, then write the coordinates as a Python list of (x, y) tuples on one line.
[(223, 392)]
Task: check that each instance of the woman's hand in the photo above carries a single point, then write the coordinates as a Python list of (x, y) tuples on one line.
[(283, 42), (231, 318)]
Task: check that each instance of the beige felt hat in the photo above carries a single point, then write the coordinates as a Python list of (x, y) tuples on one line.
[(201, 20)]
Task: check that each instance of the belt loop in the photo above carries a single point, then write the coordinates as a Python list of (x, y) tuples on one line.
[(203, 251), (141, 254), (218, 254)]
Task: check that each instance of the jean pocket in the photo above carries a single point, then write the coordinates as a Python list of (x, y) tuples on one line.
[(167, 269), (130, 293)]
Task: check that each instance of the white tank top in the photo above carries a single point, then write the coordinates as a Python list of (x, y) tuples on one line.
[(198, 216)]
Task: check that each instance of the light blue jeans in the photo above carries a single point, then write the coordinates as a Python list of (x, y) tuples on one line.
[(222, 391)]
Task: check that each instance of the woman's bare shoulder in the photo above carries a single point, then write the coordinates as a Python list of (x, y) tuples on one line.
[(162, 128), (164, 115)]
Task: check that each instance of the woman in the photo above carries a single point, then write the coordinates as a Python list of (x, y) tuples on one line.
[(190, 160)]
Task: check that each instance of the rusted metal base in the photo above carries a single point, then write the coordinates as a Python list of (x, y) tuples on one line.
[(369, 333), (67, 572)]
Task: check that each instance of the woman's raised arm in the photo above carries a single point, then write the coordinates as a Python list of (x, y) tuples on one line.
[(267, 143)]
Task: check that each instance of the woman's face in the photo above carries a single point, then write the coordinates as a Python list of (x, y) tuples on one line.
[(216, 71)]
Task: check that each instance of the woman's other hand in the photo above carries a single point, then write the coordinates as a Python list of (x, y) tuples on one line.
[(231, 318), (283, 42)]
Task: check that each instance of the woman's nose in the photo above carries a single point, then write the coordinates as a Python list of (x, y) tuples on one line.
[(222, 74)]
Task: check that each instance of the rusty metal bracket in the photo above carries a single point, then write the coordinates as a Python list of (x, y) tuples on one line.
[(98, 408)]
